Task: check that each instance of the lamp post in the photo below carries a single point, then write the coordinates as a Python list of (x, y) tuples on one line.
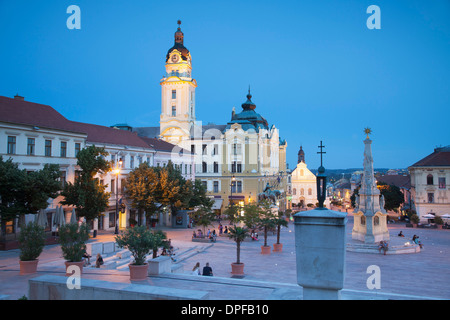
[(117, 172)]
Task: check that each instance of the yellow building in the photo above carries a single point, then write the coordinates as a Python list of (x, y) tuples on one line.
[(246, 150)]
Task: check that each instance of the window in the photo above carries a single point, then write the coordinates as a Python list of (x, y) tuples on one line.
[(174, 94), (11, 145), (205, 185), (302, 192), (112, 219), (113, 186), (215, 149), (204, 167), (430, 179), (430, 197), (31, 146), (216, 167), (132, 162), (48, 148), (239, 186), (294, 192), (216, 186), (309, 191), (233, 186), (63, 149), (174, 111), (237, 149), (239, 167), (77, 148), (204, 149), (233, 167), (193, 148), (441, 183)]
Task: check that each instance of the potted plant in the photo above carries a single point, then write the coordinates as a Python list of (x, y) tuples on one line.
[(73, 238), (31, 244), (414, 220), (438, 220), (266, 222), (140, 242), (279, 222), (238, 234)]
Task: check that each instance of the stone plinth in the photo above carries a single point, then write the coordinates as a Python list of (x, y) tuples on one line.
[(320, 253), (161, 264)]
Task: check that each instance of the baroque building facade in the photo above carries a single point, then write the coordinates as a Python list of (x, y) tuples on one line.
[(235, 161)]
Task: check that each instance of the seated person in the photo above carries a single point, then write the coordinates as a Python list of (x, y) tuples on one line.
[(99, 260)]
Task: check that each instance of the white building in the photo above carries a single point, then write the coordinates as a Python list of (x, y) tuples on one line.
[(33, 134), (429, 189), (303, 183)]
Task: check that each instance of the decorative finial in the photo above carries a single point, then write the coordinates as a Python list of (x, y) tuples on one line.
[(179, 23), (368, 131), (249, 95)]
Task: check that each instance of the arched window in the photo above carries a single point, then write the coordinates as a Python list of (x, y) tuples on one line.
[(430, 179), (294, 192), (301, 172), (376, 221), (302, 192), (309, 191), (204, 167)]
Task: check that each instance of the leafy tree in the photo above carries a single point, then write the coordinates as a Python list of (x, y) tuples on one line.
[(22, 192), (198, 195), (140, 188), (204, 217), (393, 197), (86, 193), (252, 215)]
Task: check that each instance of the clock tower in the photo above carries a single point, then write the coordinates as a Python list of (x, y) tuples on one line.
[(177, 94)]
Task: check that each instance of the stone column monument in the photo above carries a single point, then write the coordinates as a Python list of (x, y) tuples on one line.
[(370, 218), (320, 247)]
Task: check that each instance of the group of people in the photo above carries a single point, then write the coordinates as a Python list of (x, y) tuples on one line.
[(207, 270), (87, 260), (415, 239), (211, 235)]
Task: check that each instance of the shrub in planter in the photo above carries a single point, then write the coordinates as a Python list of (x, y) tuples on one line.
[(31, 244), (73, 240), (140, 242), (238, 234), (414, 219)]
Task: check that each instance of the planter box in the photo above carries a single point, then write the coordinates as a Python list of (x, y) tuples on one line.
[(28, 267)]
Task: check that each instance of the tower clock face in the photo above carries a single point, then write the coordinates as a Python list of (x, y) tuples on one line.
[(175, 58)]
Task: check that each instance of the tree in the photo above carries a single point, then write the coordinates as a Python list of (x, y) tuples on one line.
[(140, 188), (279, 222), (393, 197), (252, 215), (86, 193), (267, 219), (22, 192), (238, 234), (204, 217)]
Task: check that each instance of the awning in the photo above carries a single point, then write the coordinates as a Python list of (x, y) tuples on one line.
[(217, 204)]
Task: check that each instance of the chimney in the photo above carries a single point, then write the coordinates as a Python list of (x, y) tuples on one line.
[(17, 97)]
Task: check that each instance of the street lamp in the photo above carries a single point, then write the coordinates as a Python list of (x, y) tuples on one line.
[(117, 172)]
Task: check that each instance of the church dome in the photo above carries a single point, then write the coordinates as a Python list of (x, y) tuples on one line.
[(248, 117), (179, 38)]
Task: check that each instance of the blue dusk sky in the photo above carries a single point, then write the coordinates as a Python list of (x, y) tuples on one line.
[(316, 71)]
